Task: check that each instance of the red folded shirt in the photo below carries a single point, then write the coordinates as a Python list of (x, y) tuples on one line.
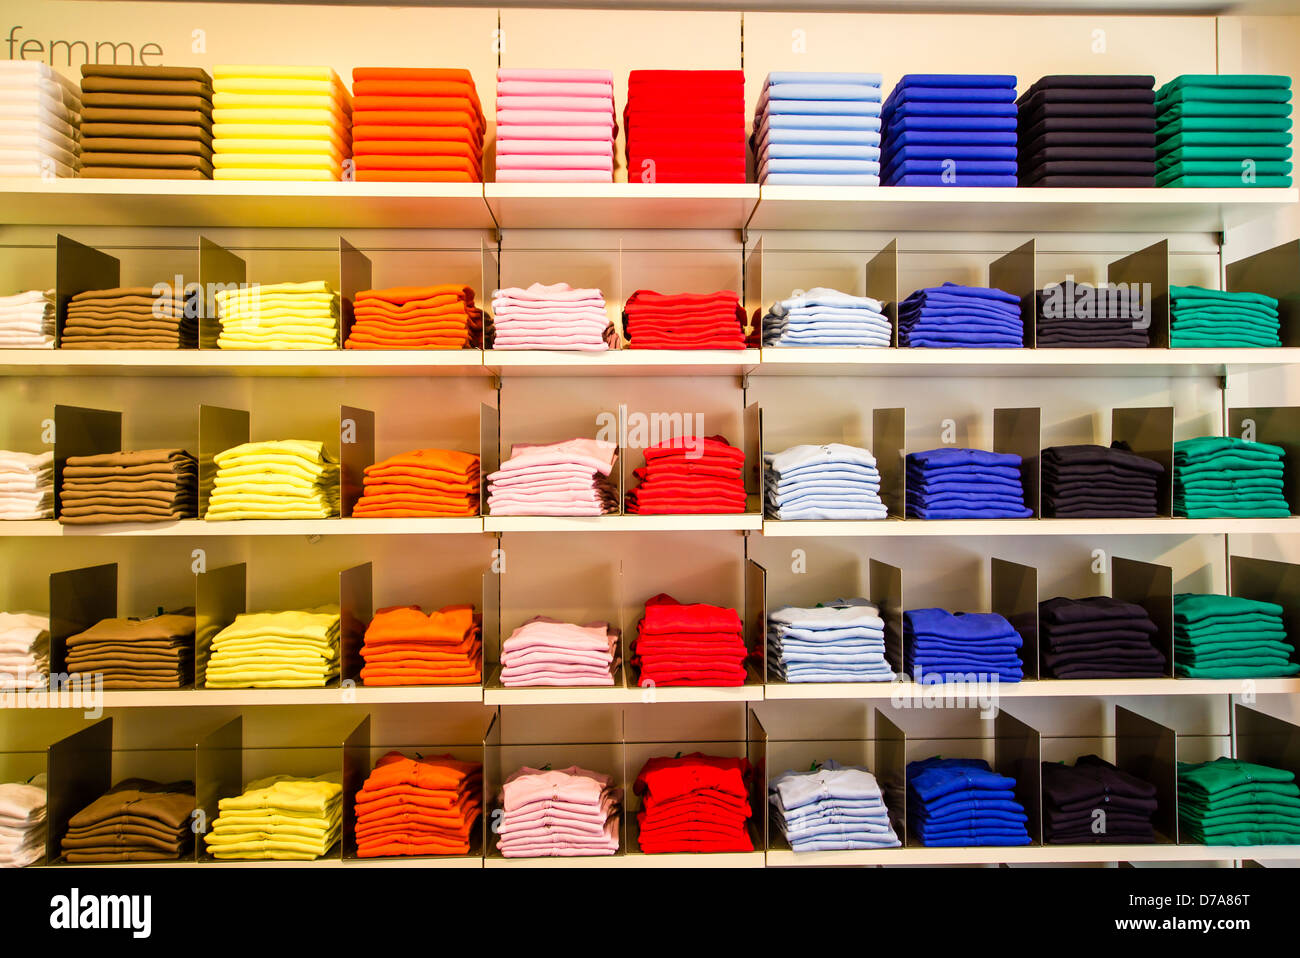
[(694, 803)]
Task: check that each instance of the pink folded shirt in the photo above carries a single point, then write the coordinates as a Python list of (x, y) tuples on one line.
[(554, 176), (597, 453), (573, 784), (593, 637), (539, 117), (555, 75), (553, 131), (583, 104), (509, 146), (546, 161), (554, 88)]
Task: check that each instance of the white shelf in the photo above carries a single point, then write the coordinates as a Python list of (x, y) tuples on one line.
[(990, 209), (234, 362), (235, 203), (199, 698), (803, 361), (890, 528), (472, 525), (621, 205), (243, 204), (1029, 689), (632, 523), (1036, 854), (771, 361), (622, 362)]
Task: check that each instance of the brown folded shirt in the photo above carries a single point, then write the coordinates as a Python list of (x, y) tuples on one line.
[(114, 145), (123, 826), (107, 514), (114, 485), (101, 114), (150, 132), (130, 459), (145, 295), (139, 173), (86, 856), (169, 625), (126, 344), (170, 803), (145, 72), (149, 161), (146, 101), (136, 85)]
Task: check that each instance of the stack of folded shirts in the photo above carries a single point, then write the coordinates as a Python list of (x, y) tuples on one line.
[(961, 647), (424, 483), (831, 481), (24, 650), (546, 651), (40, 113), (279, 817), (154, 143), (137, 820), (1234, 802), (1230, 637), (830, 808), (952, 483), (818, 129), (27, 320), (280, 123), (1200, 317), (555, 126), (1227, 476), (842, 640), (149, 485), (1092, 801), (685, 126), (276, 479), (1081, 315), (152, 653), (132, 317), (1098, 638), (684, 320), (276, 650), (416, 317), (1231, 802), (826, 317), (962, 802), (1224, 130), (419, 806), (406, 646), (951, 315), (549, 317), (561, 813), (416, 125), (698, 645), (690, 475), (278, 316), (950, 130), (568, 478), (1088, 131), (694, 803), (1099, 482), (26, 485), (22, 822)]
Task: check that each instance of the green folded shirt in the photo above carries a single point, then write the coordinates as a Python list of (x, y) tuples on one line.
[(1224, 94), (1270, 81), (1239, 142), (1226, 182)]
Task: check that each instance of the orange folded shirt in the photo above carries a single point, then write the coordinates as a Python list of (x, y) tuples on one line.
[(409, 116), (418, 148), (455, 164), (460, 134), (415, 176), (433, 295)]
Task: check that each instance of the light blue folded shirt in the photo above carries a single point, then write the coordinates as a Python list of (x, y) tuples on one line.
[(820, 137), (860, 92), (774, 106), (809, 121), (806, 76), (820, 179), (805, 165), (821, 151)]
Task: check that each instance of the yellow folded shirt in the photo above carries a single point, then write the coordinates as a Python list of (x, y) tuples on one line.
[(273, 344), (307, 623), (273, 71), (280, 101), (241, 173), (245, 84), (281, 117), (294, 132), (305, 146), (308, 449)]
